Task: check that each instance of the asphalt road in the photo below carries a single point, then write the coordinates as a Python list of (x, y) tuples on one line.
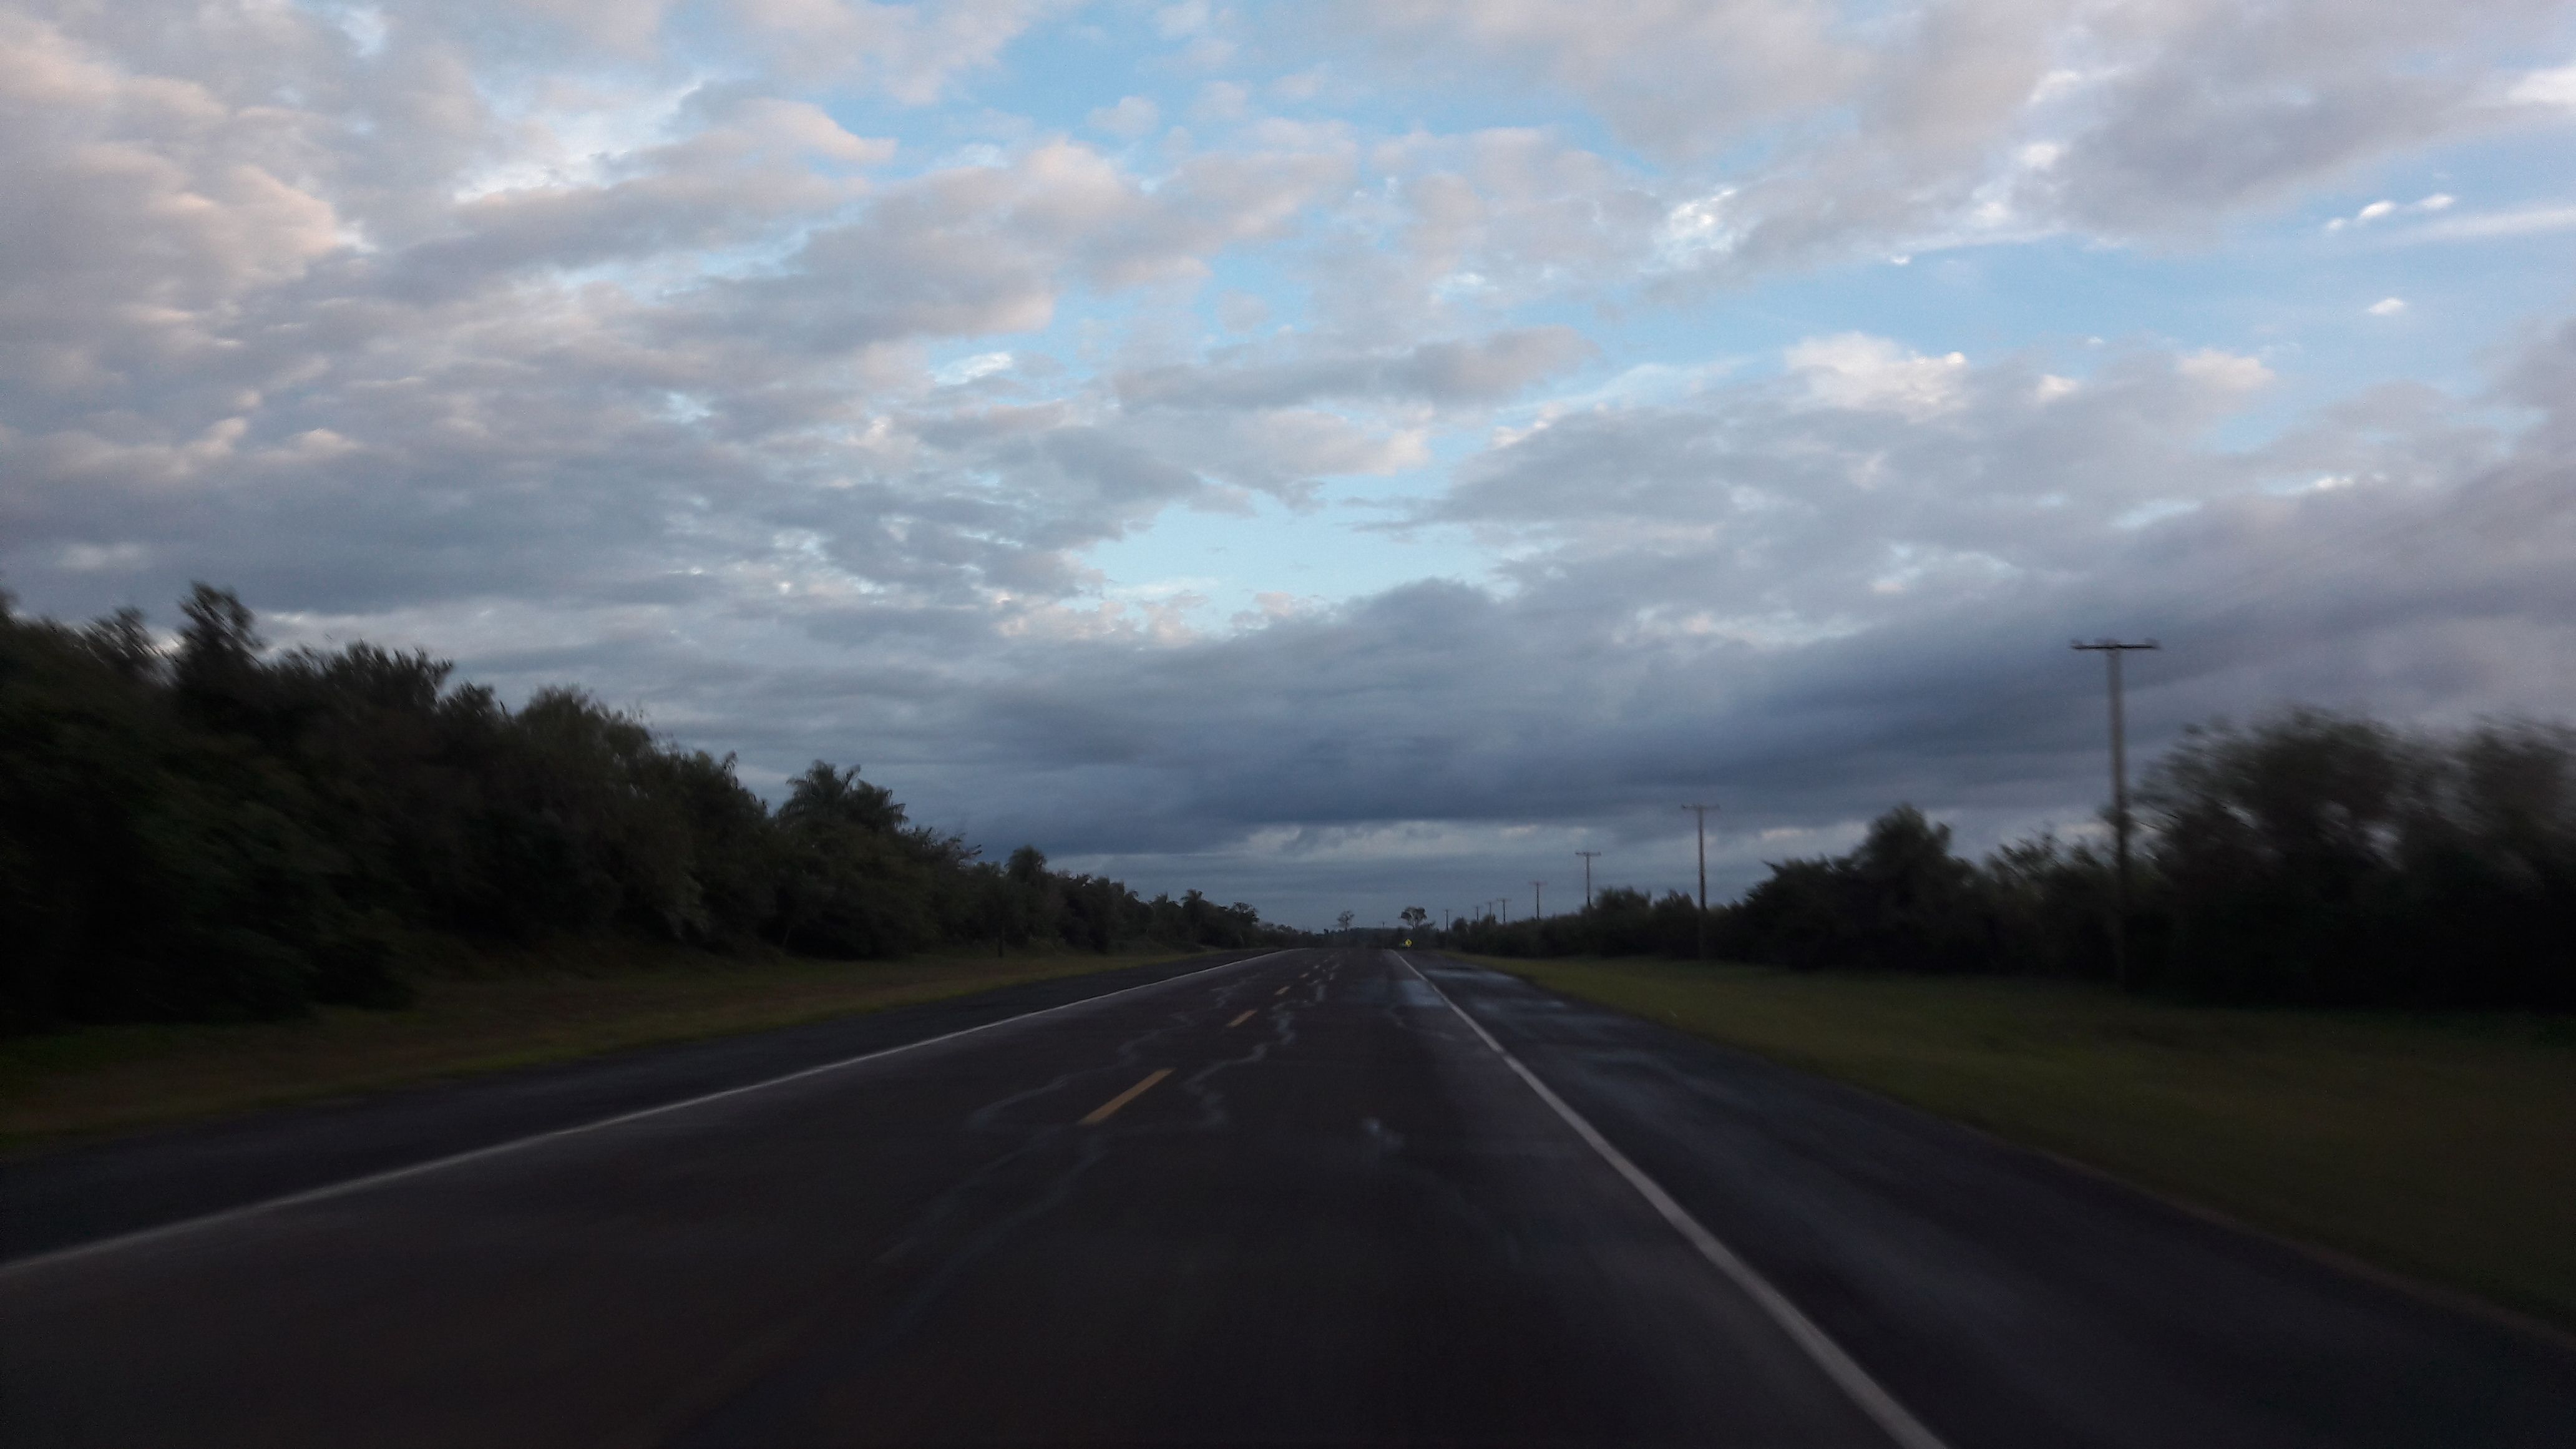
[(1299, 1198)]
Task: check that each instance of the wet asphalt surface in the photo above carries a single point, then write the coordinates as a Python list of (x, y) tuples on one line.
[(1332, 1214)]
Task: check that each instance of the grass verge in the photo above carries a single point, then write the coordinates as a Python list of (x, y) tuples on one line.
[(543, 1007), (2442, 1148)]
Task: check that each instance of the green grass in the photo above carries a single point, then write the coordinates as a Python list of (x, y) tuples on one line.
[(540, 1007), (2442, 1148)]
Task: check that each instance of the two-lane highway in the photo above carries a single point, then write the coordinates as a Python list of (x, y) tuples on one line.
[(1308, 1197)]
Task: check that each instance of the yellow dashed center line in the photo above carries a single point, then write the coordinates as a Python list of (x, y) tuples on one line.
[(1101, 1113), (1240, 1020)]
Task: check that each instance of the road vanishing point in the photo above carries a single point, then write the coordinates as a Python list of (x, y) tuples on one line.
[(1308, 1197)]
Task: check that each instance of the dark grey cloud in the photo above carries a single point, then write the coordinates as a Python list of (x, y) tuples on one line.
[(1496, 730), (1452, 741)]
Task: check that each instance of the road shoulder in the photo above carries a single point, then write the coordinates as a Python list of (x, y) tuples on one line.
[(53, 1199)]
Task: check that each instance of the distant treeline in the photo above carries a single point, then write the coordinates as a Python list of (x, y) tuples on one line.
[(213, 832), (2313, 858)]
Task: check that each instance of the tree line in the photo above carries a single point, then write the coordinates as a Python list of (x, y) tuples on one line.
[(2310, 858), (214, 831)]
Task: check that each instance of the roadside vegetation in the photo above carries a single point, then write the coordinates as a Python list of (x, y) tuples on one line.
[(508, 1008), (2310, 859), (2439, 1146), (2346, 1016), (213, 831)]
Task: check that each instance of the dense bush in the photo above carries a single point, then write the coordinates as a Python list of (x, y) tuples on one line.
[(2323, 858), (1620, 922), (2313, 858), (216, 831)]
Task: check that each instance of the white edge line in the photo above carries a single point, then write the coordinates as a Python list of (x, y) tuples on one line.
[(142, 1236), (1866, 1392)]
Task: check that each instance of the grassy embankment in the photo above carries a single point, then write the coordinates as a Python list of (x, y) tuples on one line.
[(2440, 1147), (514, 1011)]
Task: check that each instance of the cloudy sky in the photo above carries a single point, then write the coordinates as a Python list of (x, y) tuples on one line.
[(1335, 455)]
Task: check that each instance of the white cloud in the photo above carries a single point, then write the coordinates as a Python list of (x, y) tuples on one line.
[(2522, 221), (914, 53), (1853, 370), (2386, 307), (1696, 229), (967, 369), (2383, 209), (2224, 371), (2139, 118), (2555, 87), (1221, 101), (364, 25), (1132, 117)]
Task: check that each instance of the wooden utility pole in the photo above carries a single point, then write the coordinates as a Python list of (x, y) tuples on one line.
[(1701, 811), (1536, 911), (1587, 876), (2111, 650)]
